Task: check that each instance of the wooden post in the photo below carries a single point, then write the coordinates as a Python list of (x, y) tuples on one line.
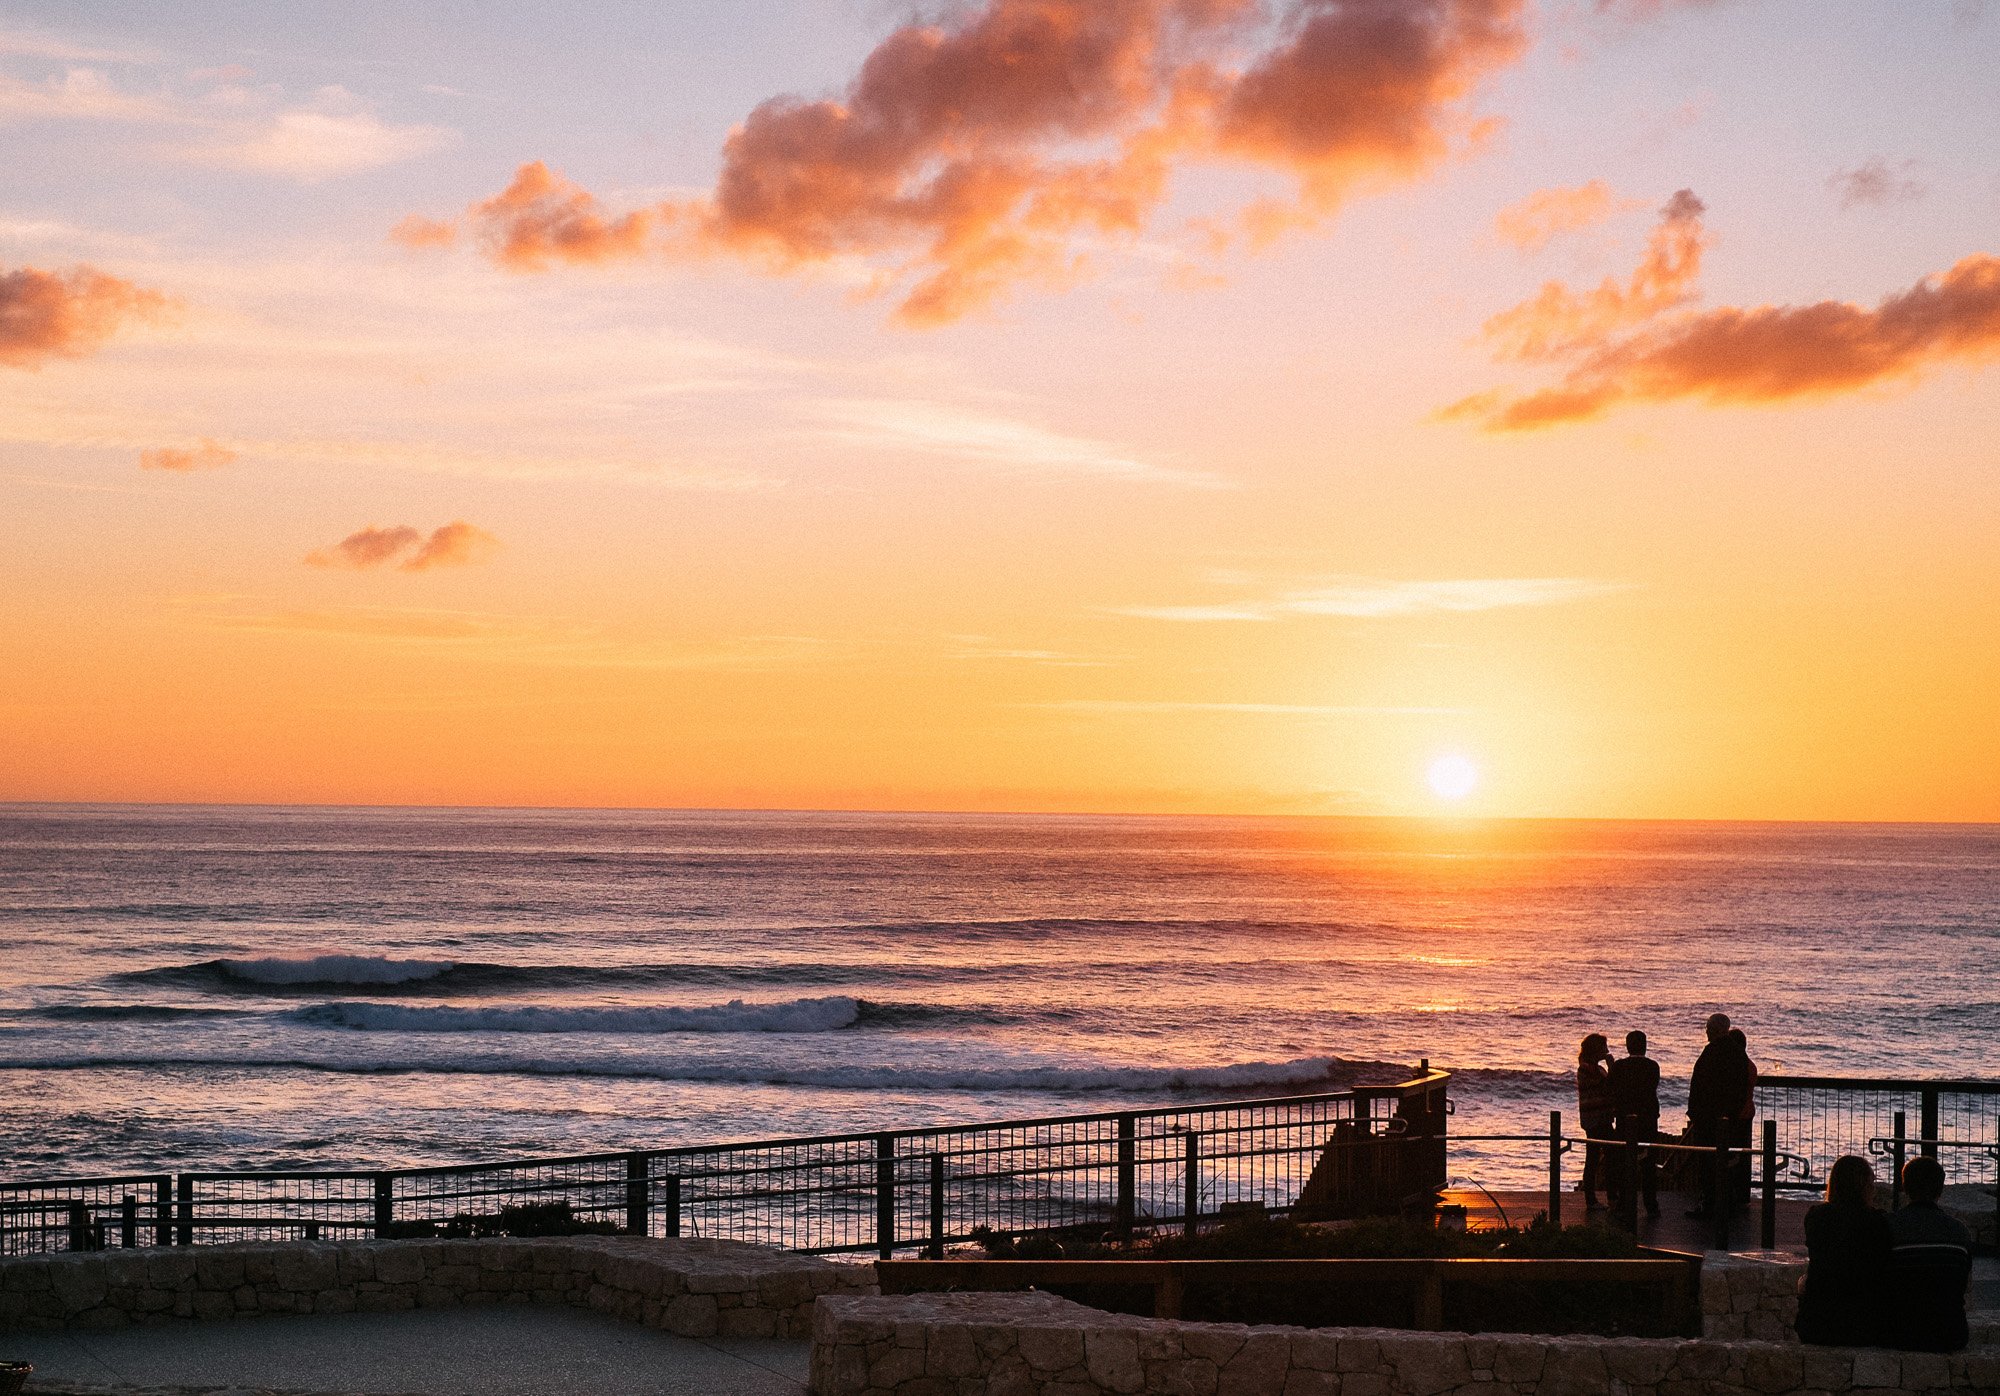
[(670, 1203), (1430, 1300), (185, 1234), (936, 1249), (1556, 1168), (1128, 1175), (638, 1202), (1724, 1187), (163, 1212), (885, 1195), (128, 1222), (1191, 1185), (1930, 1125), (1168, 1294), (1896, 1161), (1769, 1230), (1628, 1202), (385, 1202)]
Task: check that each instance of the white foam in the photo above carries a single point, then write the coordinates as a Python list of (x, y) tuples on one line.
[(335, 969), (827, 1014)]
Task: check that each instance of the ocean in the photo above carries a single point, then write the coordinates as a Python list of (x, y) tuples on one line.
[(221, 987)]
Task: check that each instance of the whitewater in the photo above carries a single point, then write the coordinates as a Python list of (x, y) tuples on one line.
[(300, 988)]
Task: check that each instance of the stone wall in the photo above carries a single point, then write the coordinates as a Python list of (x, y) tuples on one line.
[(1039, 1345), (1753, 1294), (690, 1287)]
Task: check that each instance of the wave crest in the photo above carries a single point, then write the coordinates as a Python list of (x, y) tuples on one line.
[(828, 1014)]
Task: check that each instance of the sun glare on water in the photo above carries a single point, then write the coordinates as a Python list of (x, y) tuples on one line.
[(1453, 777)]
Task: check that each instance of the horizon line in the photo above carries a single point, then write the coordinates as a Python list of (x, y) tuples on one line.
[(1441, 817)]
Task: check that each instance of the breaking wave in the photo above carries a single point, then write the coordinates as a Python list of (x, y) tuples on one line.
[(1235, 1079), (826, 1014)]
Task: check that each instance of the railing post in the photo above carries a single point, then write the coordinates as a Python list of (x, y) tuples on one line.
[(1896, 1159), (885, 1195), (385, 1202), (936, 1248), (128, 1222), (163, 1212), (1556, 1168), (1191, 1185), (185, 1235), (1128, 1174), (638, 1205), (1628, 1200), (1768, 1230), (1725, 1187), (670, 1203), (1930, 1125)]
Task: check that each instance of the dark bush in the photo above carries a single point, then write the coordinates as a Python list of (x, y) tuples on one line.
[(525, 1219)]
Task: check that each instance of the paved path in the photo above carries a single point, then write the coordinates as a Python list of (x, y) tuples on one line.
[(505, 1351)]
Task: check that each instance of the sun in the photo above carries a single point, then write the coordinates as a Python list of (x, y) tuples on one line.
[(1453, 776)]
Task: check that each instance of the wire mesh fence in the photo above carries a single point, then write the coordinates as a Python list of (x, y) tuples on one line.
[(899, 1190), (1821, 1118), (78, 1214)]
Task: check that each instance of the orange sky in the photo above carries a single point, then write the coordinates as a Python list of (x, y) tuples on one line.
[(1137, 406)]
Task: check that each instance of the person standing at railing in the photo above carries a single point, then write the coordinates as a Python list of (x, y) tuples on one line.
[(1715, 1100), (1743, 1131), (1930, 1265), (1594, 1108), (1843, 1297), (1635, 1100)]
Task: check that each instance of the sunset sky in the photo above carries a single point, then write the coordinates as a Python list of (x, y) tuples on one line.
[(1124, 405)]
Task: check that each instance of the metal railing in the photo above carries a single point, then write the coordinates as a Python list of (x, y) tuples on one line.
[(79, 1214), (1822, 1117), (1119, 1171)]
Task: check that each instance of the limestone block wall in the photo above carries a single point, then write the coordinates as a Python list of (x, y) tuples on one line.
[(1039, 1345), (691, 1287), (1754, 1294)]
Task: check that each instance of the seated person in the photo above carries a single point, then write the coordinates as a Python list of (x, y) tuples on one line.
[(1930, 1264), (1842, 1300)]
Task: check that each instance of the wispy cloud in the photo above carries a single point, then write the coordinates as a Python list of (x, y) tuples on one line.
[(1636, 343), (453, 545), (979, 647), (982, 438), (66, 314), (1367, 599), (335, 134), (1154, 705), (203, 455), (1876, 183), (30, 43), (228, 124), (1531, 223)]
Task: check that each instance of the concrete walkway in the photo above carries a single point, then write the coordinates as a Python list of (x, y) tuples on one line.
[(506, 1351)]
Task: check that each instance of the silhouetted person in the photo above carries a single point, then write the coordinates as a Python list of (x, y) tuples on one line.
[(1715, 1099), (1635, 1101), (1844, 1295), (1744, 1133), (1930, 1265), (1593, 1107)]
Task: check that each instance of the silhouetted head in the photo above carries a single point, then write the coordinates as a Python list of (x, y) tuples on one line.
[(1594, 1049), (1735, 1038), (1923, 1179), (1635, 1043), (1718, 1026), (1852, 1181)]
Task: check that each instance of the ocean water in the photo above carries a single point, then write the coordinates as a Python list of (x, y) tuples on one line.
[(224, 987)]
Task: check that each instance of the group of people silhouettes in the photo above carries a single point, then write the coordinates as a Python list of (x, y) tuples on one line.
[(1873, 1278), (1618, 1101)]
